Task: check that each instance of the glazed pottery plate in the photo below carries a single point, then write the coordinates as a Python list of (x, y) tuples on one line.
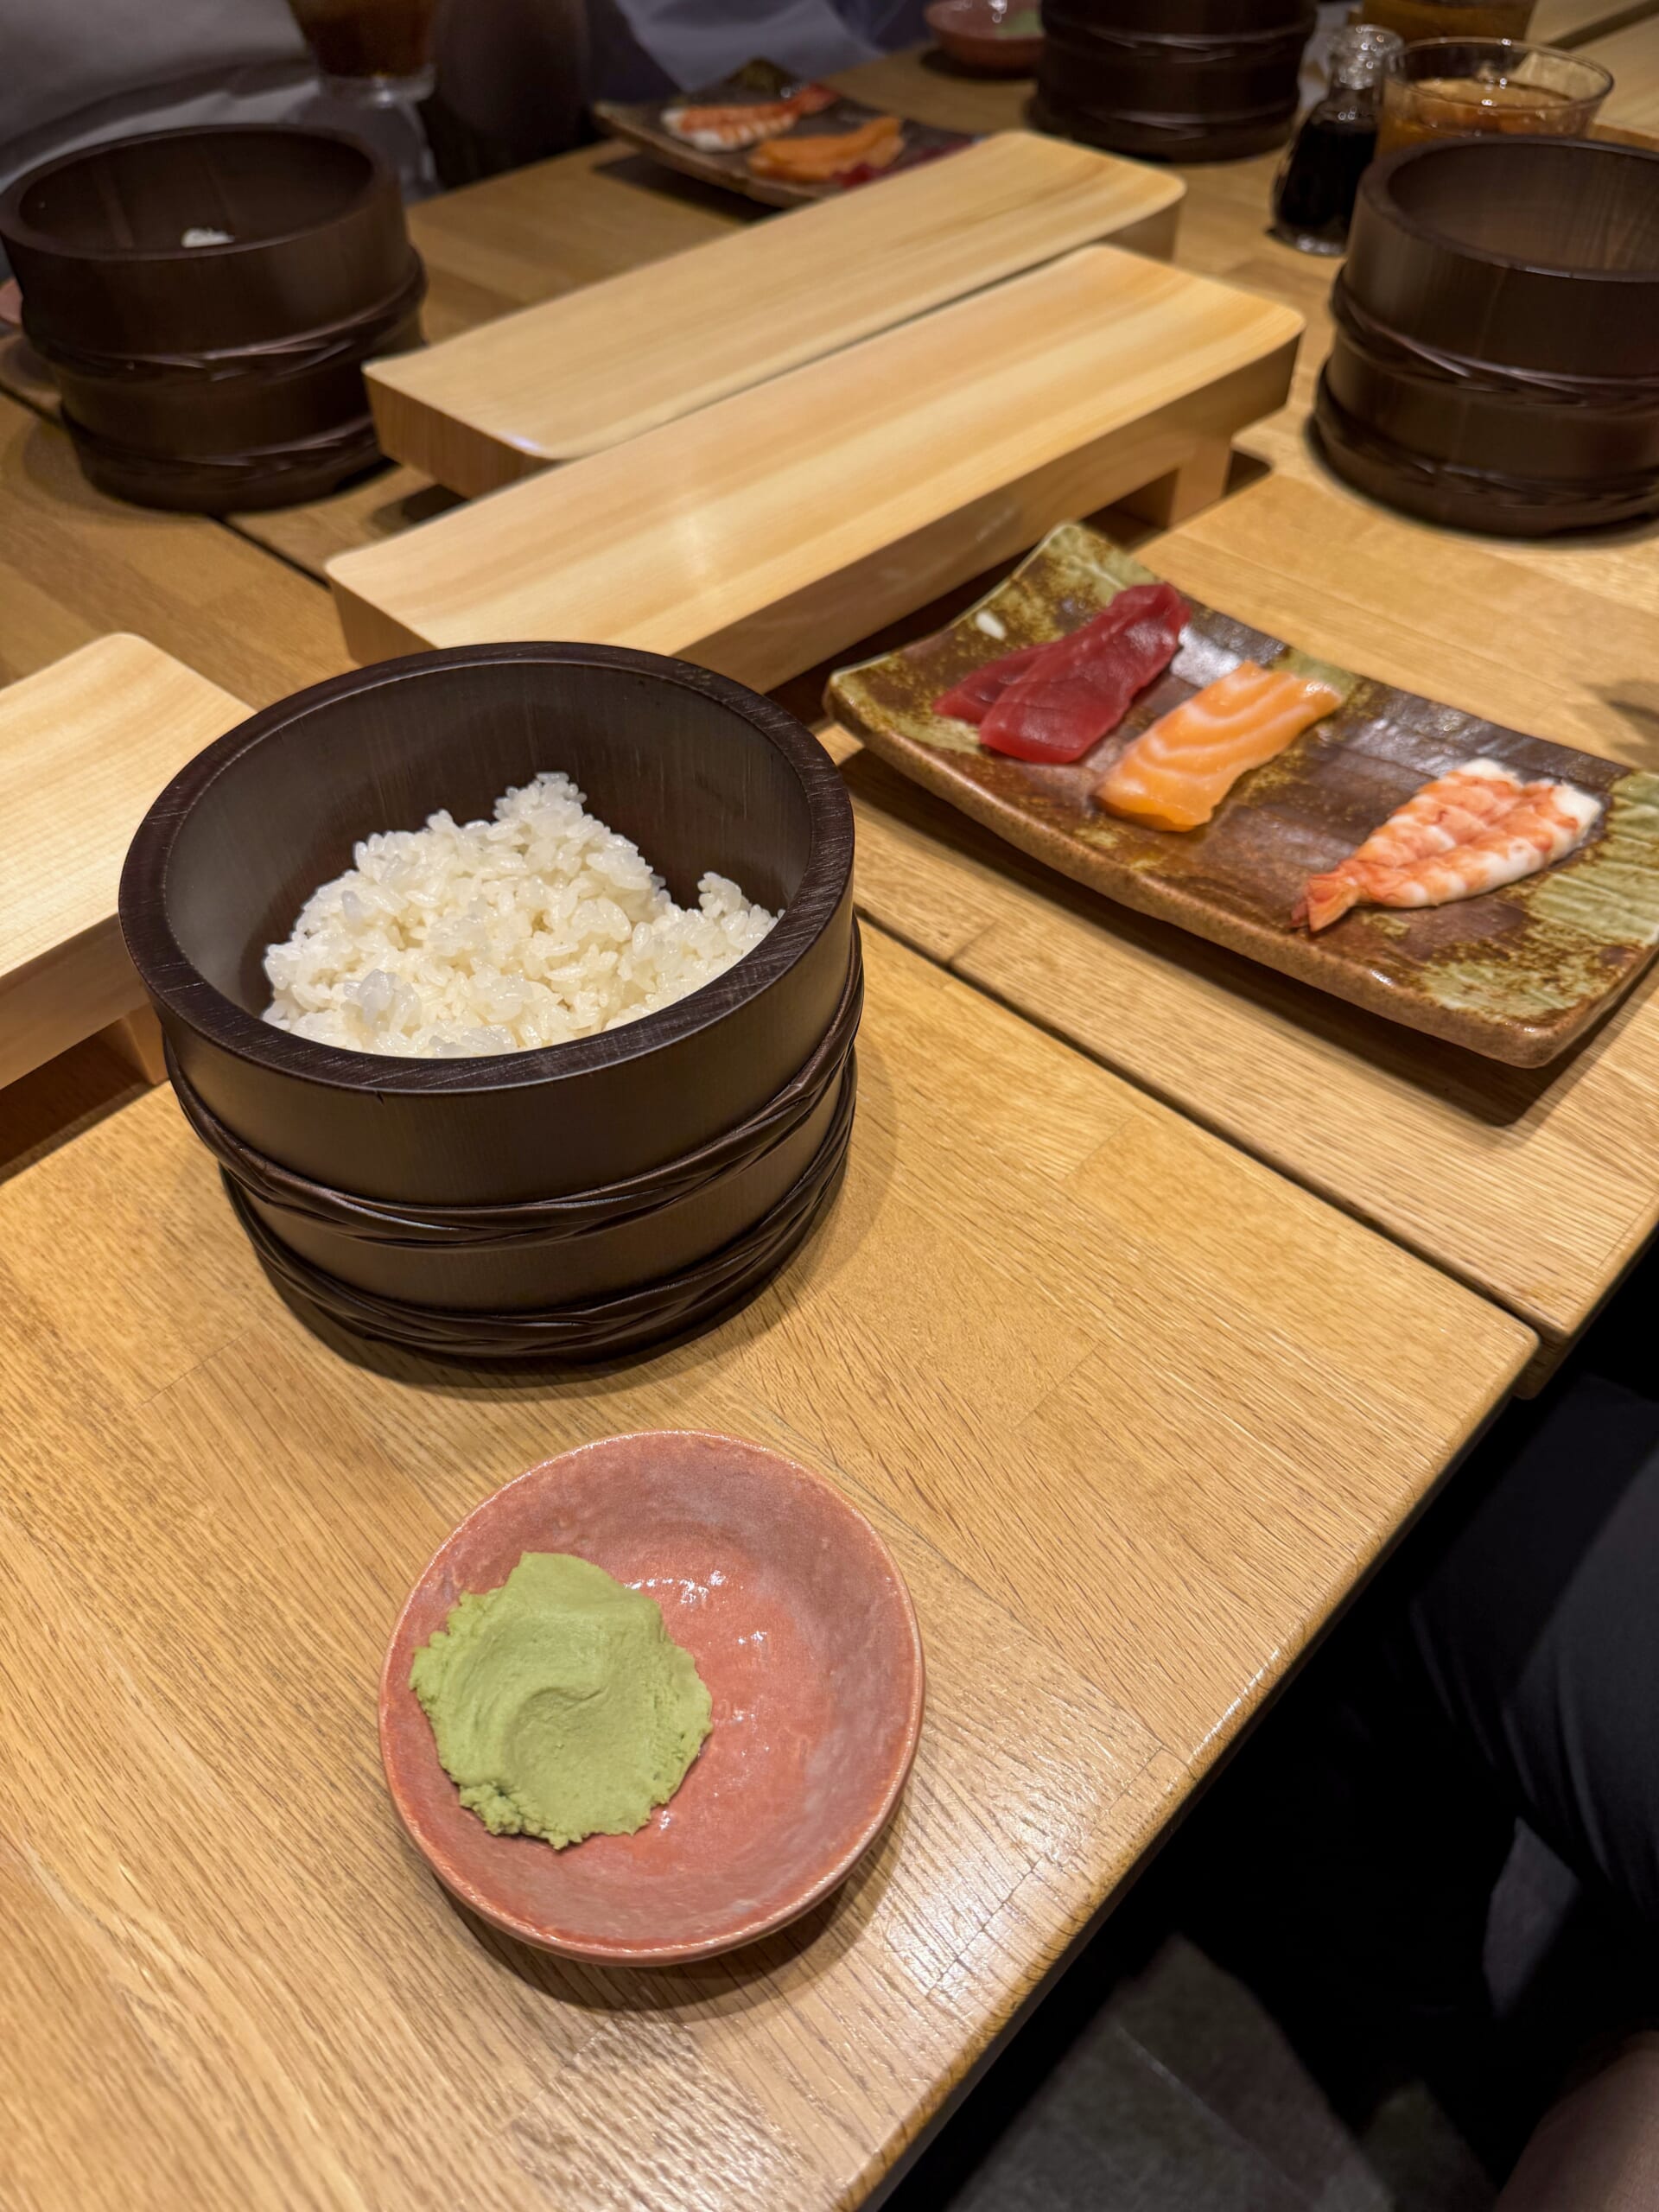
[(992, 38), (642, 125), (803, 1631), (1517, 974)]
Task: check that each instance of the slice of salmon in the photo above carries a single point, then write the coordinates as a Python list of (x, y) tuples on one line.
[(1177, 774), (819, 156)]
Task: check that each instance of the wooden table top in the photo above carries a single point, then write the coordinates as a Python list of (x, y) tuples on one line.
[(1573, 23), (1632, 54), (954, 440), (110, 724), (1538, 1192), (1134, 1412), (1538, 1188), (74, 566)]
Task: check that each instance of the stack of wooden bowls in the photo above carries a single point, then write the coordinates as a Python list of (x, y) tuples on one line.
[(205, 300), (566, 1203), (1496, 361), (1176, 80)]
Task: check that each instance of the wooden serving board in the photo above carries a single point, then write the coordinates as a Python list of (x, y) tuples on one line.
[(573, 376), (641, 124), (84, 746), (776, 527), (1517, 974)]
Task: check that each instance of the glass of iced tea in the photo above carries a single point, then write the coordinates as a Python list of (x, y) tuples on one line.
[(1420, 19), (358, 43), (1448, 87), (375, 59)]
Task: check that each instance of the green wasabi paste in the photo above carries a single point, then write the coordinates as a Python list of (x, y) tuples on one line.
[(561, 1705)]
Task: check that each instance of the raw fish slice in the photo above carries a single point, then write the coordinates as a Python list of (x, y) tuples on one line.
[(1474, 829), (1081, 687), (815, 159), (1177, 774), (744, 123), (972, 699)]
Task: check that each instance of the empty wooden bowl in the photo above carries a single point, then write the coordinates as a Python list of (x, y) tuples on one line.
[(215, 376), (1496, 360), (803, 1631), (1176, 80), (570, 1201)]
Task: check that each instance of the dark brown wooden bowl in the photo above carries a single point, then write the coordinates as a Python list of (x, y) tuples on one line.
[(209, 378), (498, 1197), (1177, 80), (1496, 361)]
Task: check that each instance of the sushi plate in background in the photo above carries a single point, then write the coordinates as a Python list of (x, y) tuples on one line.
[(813, 111), (1517, 973)]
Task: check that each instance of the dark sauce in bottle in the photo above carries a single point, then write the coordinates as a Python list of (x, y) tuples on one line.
[(1314, 191)]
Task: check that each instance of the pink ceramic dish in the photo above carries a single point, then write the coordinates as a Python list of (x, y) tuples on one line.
[(802, 1628), (977, 35)]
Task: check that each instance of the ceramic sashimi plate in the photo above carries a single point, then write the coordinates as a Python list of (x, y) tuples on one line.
[(1517, 973), (650, 126)]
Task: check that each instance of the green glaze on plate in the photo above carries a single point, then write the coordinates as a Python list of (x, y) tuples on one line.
[(1517, 973)]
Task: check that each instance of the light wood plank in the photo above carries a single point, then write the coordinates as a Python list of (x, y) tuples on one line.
[(779, 525), (247, 1980), (1536, 1186), (85, 747), (533, 234), (577, 375), (74, 566), (137, 1043), (1134, 1414), (1632, 54), (1453, 619), (1541, 1194), (1573, 23), (1427, 608)]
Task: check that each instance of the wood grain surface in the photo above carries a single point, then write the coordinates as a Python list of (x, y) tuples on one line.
[(1428, 610), (1632, 54), (1044, 1305), (806, 512), (529, 235), (1573, 23), (1134, 1413), (1518, 975), (75, 565), (1537, 1186), (582, 373), (84, 746)]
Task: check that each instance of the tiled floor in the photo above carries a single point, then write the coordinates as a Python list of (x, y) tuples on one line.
[(1179, 2095)]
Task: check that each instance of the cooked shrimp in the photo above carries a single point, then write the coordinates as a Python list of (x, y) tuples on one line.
[(1472, 830), (728, 130)]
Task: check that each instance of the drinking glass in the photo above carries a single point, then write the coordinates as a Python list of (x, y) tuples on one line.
[(375, 58), (1450, 87)]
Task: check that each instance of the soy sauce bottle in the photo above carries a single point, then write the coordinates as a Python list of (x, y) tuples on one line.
[(1314, 191)]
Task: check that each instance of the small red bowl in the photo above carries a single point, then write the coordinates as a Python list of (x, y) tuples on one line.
[(801, 1626), (975, 34)]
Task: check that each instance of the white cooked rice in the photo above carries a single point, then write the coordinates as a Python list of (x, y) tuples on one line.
[(497, 937)]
